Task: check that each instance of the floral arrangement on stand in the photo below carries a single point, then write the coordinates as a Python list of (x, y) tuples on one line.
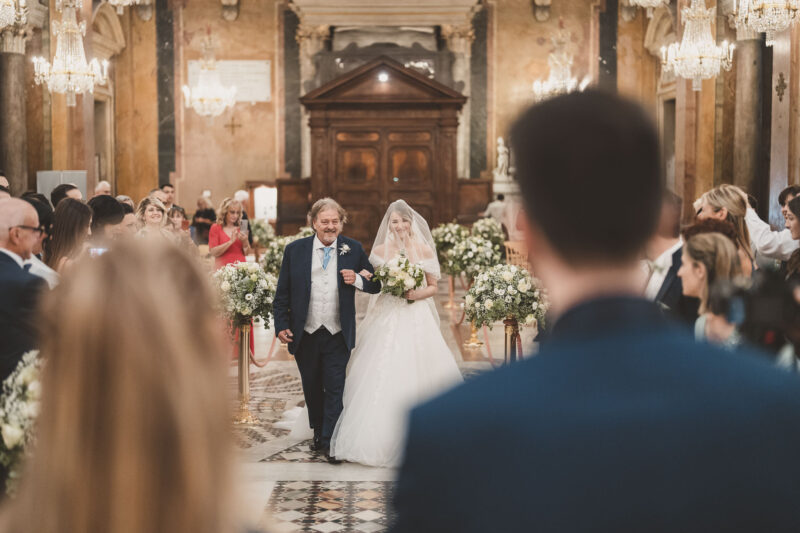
[(445, 237), (273, 255), (472, 256), (305, 231), (491, 230), (505, 292), (247, 292), (19, 408), (398, 278), (263, 232)]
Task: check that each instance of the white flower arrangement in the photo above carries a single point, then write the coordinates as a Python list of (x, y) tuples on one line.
[(273, 255), (398, 278), (263, 232), (247, 291), (445, 237), (472, 256), (344, 249), (19, 408), (305, 231), (505, 291), (491, 230)]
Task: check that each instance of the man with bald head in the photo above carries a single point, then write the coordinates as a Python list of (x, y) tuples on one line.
[(19, 289)]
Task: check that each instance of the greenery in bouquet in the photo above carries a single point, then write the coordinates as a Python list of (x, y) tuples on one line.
[(263, 232), (398, 278), (305, 231), (491, 230), (273, 254), (247, 292), (472, 256), (505, 291), (445, 237), (19, 407)]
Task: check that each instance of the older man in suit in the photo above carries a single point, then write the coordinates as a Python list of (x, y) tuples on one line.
[(19, 289), (621, 422)]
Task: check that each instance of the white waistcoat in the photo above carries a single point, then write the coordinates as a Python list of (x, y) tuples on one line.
[(323, 304)]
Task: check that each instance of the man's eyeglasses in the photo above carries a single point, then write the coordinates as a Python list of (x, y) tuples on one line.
[(38, 231)]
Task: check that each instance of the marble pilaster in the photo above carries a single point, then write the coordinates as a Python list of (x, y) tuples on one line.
[(311, 40), (459, 41), (780, 123), (13, 132), (747, 129)]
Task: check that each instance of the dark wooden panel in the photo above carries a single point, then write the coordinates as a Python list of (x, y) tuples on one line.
[(363, 222), (293, 204), (473, 197), (357, 166), (358, 136), (410, 166), (410, 136)]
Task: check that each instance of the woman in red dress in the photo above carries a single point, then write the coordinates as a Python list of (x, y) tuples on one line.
[(227, 243)]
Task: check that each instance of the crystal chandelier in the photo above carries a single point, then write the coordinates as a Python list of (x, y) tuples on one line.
[(560, 80), (649, 5), (697, 57), (12, 12), (120, 4), (766, 16), (70, 74), (209, 97)]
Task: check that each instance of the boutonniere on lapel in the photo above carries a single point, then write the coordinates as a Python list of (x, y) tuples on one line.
[(343, 249)]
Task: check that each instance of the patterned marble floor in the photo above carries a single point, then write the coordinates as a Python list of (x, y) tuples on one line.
[(285, 486)]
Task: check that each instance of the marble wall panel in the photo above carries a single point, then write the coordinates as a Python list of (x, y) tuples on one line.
[(636, 67)]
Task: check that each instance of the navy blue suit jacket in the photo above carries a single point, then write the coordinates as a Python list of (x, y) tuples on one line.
[(681, 307), (19, 294), (621, 423), (294, 288)]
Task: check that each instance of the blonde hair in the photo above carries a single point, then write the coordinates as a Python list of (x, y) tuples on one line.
[(327, 203), (718, 255), (145, 203), (134, 429), (732, 198), (225, 207)]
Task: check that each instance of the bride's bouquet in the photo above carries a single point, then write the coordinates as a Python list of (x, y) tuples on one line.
[(505, 291), (19, 407), (247, 292), (398, 278)]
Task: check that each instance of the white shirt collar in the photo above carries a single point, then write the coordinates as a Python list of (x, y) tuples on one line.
[(17, 259), (665, 259), (318, 243)]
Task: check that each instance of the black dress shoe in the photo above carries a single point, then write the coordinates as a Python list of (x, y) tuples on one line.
[(331, 459), (315, 445)]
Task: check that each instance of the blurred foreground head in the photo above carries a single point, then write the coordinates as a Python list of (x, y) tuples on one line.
[(133, 432), (588, 165)]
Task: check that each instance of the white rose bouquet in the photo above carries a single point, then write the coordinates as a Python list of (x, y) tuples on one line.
[(263, 232), (445, 237), (491, 230), (247, 292), (19, 407), (505, 291), (472, 256), (273, 254), (398, 278)]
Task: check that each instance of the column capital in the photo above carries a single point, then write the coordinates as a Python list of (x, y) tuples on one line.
[(313, 35), (12, 40), (459, 37)]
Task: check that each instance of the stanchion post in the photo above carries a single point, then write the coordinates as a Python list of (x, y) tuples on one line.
[(451, 284), (473, 341), (244, 416), (511, 331)]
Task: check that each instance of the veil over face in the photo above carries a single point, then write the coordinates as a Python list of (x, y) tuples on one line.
[(404, 231)]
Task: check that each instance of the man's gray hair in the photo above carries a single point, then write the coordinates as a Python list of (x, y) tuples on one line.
[(12, 213), (327, 203), (100, 184)]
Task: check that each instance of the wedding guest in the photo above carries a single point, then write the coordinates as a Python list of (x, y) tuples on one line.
[(728, 202), (20, 232), (201, 225), (664, 252), (125, 199), (152, 218), (65, 190), (495, 209), (3, 180), (130, 224), (72, 221), (226, 242), (102, 188), (778, 245), (169, 195), (107, 216), (134, 432), (787, 195), (792, 266), (177, 219), (204, 202), (621, 422), (34, 264), (243, 197), (708, 258)]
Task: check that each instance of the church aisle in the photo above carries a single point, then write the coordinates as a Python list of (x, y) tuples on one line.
[(286, 487)]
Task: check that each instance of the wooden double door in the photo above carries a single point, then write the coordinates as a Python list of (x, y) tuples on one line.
[(373, 167)]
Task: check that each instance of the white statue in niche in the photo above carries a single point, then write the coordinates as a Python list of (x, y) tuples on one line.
[(501, 171)]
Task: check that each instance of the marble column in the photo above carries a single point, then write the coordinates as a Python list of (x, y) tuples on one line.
[(747, 127), (311, 40), (781, 125), (459, 41), (13, 132)]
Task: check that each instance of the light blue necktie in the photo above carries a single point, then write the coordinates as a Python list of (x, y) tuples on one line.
[(327, 258)]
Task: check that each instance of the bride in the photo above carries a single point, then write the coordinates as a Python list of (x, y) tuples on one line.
[(400, 358)]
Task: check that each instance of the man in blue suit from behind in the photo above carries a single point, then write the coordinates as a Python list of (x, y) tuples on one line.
[(620, 422)]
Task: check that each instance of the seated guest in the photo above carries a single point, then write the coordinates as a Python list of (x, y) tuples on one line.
[(728, 202), (107, 215), (20, 232), (708, 258), (125, 199), (37, 267), (152, 218), (72, 221), (134, 431), (621, 422), (130, 224), (65, 190), (102, 188), (664, 252)]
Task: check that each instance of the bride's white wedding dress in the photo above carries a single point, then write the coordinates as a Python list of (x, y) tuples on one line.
[(400, 360)]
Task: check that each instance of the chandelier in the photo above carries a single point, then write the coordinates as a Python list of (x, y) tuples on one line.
[(560, 80), (12, 12), (120, 4), (649, 5), (209, 97), (697, 57), (70, 74), (766, 16)]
